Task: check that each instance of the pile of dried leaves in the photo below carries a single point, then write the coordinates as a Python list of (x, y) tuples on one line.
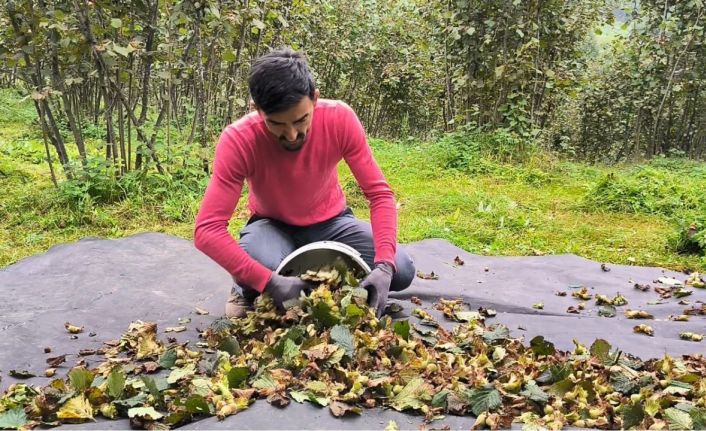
[(331, 351)]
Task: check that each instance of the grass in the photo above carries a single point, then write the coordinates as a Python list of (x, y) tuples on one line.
[(484, 204)]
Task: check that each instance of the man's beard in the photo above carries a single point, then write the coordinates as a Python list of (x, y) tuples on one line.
[(293, 146)]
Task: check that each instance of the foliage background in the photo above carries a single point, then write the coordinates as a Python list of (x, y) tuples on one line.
[(594, 108)]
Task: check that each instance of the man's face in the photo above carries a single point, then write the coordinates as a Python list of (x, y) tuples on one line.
[(291, 126)]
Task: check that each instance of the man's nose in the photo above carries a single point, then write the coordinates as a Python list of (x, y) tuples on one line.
[(291, 134)]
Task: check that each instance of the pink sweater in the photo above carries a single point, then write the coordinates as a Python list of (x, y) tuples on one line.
[(298, 188)]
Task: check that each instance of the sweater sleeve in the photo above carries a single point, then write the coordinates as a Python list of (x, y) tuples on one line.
[(359, 157), (211, 234)]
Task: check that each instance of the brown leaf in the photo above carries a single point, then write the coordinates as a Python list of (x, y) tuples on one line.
[(664, 292), (87, 352), (278, 399), (560, 293), (56, 361), (151, 366), (642, 287), (244, 393), (604, 268), (695, 311), (47, 350), (112, 343), (457, 261), (339, 409), (415, 300), (573, 310)]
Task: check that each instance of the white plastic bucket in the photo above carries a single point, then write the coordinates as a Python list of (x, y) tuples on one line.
[(321, 253)]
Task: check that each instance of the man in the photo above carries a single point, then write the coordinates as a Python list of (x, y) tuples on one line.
[(287, 151)]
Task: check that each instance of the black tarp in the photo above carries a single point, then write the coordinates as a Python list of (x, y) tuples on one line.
[(103, 285)]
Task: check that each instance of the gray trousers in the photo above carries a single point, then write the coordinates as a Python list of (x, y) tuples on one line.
[(269, 241)]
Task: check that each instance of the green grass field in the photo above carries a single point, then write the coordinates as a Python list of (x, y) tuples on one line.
[(619, 214)]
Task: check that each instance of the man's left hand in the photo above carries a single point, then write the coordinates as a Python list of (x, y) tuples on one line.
[(377, 283)]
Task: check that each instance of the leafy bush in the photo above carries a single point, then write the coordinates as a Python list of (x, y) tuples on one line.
[(691, 236), (646, 190), (478, 152), (176, 195), (14, 108)]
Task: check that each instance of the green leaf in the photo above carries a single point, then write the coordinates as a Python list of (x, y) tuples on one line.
[(122, 50), (678, 420), (607, 311), (229, 344), (264, 382), (601, 349), (116, 382), (256, 23), (484, 400), (561, 387), (336, 357), (542, 347), (180, 373), (81, 379), (236, 376), (500, 332), (13, 419), (290, 352), (402, 328), (439, 399), (535, 393), (342, 336), (197, 404), (116, 22), (698, 417), (411, 396), (148, 413), (554, 373), (151, 386), (323, 315), (168, 359), (137, 400), (679, 388), (299, 396), (295, 334), (633, 415), (467, 316), (228, 56)]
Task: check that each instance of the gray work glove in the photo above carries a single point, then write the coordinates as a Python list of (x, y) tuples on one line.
[(283, 289), (377, 283)]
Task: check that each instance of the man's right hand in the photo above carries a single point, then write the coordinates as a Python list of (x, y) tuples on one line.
[(282, 289)]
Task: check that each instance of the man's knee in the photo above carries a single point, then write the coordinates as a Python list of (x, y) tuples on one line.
[(405, 271), (265, 242)]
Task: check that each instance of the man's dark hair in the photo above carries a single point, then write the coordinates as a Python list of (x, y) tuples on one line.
[(279, 79)]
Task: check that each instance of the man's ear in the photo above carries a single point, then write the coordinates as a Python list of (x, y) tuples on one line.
[(317, 93), (253, 106)]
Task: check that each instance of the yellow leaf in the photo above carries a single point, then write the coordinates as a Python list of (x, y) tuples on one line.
[(73, 328), (76, 409)]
